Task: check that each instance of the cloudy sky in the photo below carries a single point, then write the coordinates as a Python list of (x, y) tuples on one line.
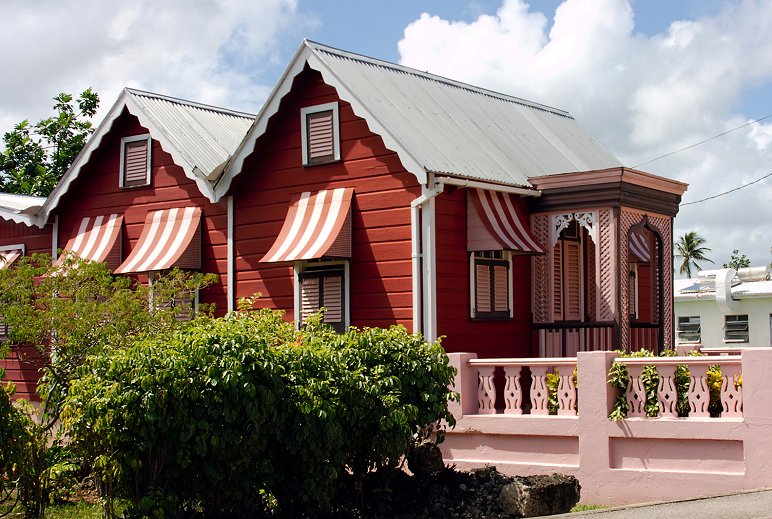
[(645, 77)]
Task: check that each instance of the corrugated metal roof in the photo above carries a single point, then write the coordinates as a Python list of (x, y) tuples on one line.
[(20, 203), (683, 290), (205, 135), (457, 129)]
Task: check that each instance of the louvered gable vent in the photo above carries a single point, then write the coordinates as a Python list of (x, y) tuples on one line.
[(135, 162), (320, 134)]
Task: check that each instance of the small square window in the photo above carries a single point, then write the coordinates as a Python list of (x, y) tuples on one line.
[(319, 129), (689, 329), (736, 328), (135, 161), (491, 285)]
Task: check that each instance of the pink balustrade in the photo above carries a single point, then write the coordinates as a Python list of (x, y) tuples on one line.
[(636, 459)]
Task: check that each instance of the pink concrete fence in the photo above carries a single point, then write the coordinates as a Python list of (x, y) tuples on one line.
[(502, 420)]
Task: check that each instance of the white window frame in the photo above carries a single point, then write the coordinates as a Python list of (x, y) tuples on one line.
[(300, 266), (122, 173), (304, 112), (474, 255), (747, 331), (699, 329)]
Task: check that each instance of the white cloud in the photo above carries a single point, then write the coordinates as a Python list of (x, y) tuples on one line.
[(211, 51), (642, 96)]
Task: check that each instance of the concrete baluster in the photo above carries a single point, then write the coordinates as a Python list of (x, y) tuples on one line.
[(635, 394), (513, 392), (731, 394), (667, 396), (699, 394), (539, 391), (486, 392), (567, 394)]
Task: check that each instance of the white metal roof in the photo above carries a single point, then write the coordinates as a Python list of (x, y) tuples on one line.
[(742, 290), (199, 137), (20, 208), (442, 126)]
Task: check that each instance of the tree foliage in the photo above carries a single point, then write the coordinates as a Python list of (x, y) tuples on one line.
[(37, 156), (228, 417), (690, 249), (737, 261)]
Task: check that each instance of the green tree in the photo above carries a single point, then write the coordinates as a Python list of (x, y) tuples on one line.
[(37, 156), (690, 250), (738, 261)]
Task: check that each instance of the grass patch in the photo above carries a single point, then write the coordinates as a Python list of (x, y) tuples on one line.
[(585, 508)]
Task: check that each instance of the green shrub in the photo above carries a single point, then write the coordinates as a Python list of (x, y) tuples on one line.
[(230, 416)]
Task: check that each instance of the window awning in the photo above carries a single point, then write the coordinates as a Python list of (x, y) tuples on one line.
[(495, 223), (317, 225), (170, 238), (639, 247), (97, 240), (7, 257)]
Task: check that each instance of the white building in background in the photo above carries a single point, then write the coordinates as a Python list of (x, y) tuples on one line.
[(724, 309)]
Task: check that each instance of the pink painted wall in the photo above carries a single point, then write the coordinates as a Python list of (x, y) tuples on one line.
[(629, 461)]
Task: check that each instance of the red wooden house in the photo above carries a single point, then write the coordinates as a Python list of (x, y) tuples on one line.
[(20, 237), (389, 195), (139, 197)]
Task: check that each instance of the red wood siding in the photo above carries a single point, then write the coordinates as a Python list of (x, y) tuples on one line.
[(96, 192), (22, 367), (380, 286), (35, 239), (505, 338)]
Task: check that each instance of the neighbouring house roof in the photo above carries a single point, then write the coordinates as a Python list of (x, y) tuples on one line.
[(690, 290), (437, 125), (199, 137), (20, 208)]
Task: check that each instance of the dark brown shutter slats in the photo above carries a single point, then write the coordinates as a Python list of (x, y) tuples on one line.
[(500, 289), (333, 299), (573, 287), (309, 297), (135, 163)]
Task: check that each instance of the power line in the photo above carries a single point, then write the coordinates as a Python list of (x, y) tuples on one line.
[(731, 190), (701, 142)]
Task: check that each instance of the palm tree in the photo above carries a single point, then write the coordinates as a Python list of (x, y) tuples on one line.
[(689, 250)]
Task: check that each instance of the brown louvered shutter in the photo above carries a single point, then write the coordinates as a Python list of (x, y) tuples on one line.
[(500, 288), (309, 297), (135, 163), (632, 296), (557, 281), (572, 281), (332, 297), (320, 137), (482, 288)]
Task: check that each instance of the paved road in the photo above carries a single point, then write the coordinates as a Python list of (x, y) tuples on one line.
[(749, 505)]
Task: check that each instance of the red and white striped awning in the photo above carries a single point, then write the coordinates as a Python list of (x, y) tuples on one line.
[(503, 221), (7, 257), (170, 238), (96, 239), (639, 247), (317, 225)]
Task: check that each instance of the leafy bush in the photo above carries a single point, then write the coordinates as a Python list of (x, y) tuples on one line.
[(231, 416), (619, 379)]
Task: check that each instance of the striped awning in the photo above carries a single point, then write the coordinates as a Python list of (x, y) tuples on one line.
[(639, 247), (317, 225), (502, 219), (7, 257), (97, 239), (170, 238)]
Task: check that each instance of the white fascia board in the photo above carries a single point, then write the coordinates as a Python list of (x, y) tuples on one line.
[(82, 159), (270, 107), (180, 157), (25, 219)]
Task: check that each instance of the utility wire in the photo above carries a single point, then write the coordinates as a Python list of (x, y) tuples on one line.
[(701, 142), (730, 191)]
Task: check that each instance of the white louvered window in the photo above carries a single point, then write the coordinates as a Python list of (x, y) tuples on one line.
[(491, 284), (736, 328), (135, 161), (689, 330), (320, 134), (323, 286)]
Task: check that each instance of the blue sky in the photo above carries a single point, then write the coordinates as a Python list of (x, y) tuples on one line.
[(645, 77)]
